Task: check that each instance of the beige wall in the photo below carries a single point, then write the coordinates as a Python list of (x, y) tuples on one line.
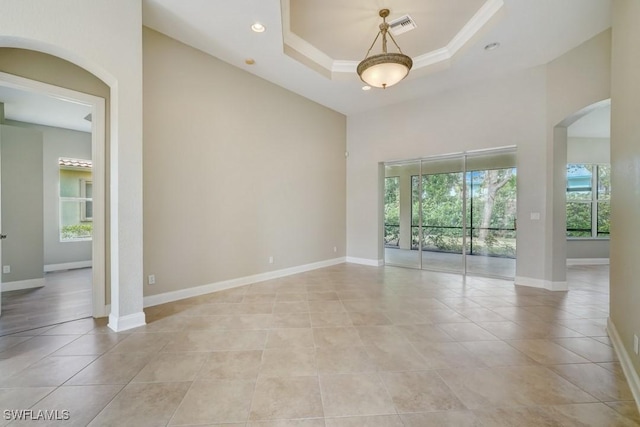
[(575, 80), (625, 178), (236, 170), (21, 155)]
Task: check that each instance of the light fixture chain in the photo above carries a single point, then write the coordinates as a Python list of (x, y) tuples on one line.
[(372, 44), (394, 42)]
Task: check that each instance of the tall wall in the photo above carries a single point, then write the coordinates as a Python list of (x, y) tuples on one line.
[(625, 177), (236, 170), (21, 180)]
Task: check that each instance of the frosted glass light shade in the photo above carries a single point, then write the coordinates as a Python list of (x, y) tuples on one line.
[(384, 70)]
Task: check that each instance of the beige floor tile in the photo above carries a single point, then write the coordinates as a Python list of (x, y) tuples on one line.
[(261, 298), (329, 319), (627, 409), (38, 346), (508, 417), (253, 308), (291, 320), (355, 394), (546, 352), (589, 348), (76, 327), (588, 415), (10, 341), (210, 402), (143, 343), (91, 344), (441, 419), (172, 367), (381, 335), (597, 381), (585, 327), (423, 333), (317, 422), (218, 340), (291, 296), (508, 330), (332, 360), (511, 386), (444, 316), (296, 397), (9, 367), (20, 398), (142, 404), (466, 332), (370, 421), (396, 357), (285, 362), (497, 353), (398, 317), (111, 368), (448, 355), (295, 337), (82, 402), (250, 321), (50, 371), (291, 307), (229, 365), (420, 392), (326, 307), (323, 296), (371, 318), (345, 336)]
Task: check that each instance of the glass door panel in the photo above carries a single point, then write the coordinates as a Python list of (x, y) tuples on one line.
[(491, 214), (399, 247), (441, 232)]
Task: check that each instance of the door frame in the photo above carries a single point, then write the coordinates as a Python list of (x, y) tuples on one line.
[(98, 150)]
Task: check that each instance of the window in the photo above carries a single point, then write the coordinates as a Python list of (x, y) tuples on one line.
[(76, 200), (588, 200)]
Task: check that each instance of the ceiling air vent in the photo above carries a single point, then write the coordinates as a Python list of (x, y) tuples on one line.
[(402, 25)]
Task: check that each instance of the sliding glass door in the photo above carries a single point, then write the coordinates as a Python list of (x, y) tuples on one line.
[(452, 213)]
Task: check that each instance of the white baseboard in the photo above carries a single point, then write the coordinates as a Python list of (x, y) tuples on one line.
[(166, 297), (365, 261), (587, 261), (625, 361), (539, 283), (67, 266), (124, 323), (22, 284)]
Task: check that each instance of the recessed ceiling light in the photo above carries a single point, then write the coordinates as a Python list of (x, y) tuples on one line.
[(249, 61), (366, 87), (492, 46), (258, 27)]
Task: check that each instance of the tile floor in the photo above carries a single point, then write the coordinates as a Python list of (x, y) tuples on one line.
[(341, 346)]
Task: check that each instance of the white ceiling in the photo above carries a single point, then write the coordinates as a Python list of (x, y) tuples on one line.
[(531, 32), (45, 110)]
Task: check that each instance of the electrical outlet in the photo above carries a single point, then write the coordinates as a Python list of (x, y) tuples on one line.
[(335, 249), (6, 269), (270, 260), (635, 344), (152, 279)]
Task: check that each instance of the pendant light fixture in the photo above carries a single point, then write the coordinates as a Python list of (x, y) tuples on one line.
[(385, 69)]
